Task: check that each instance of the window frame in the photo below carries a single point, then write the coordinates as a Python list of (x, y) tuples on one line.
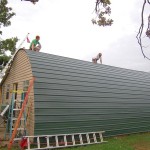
[(7, 91), (25, 89)]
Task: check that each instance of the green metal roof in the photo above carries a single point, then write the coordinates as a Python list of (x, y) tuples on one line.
[(78, 96)]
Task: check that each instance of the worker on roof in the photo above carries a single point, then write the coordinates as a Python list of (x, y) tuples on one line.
[(98, 57), (33, 1), (35, 44)]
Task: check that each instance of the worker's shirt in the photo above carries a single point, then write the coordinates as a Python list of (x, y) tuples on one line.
[(96, 58), (35, 42)]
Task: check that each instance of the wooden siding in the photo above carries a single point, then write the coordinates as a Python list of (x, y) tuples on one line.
[(78, 96), (19, 72)]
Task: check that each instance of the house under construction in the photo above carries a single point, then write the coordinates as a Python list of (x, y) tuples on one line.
[(73, 96)]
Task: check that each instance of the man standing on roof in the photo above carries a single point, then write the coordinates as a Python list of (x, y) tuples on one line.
[(35, 44), (98, 57)]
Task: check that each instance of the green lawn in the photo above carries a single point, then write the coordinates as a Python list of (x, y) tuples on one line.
[(129, 142)]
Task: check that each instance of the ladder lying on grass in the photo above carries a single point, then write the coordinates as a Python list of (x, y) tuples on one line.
[(62, 140)]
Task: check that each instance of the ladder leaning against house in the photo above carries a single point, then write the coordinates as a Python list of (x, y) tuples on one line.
[(12, 116), (16, 128), (4, 70), (51, 141)]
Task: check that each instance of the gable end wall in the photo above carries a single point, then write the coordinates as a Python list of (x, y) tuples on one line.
[(19, 72)]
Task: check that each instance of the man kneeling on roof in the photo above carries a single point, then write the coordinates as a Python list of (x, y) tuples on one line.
[(98, 57), (35, 44)]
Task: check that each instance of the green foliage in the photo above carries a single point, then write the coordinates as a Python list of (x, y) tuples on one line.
[(102, 10), (4, 59), (8, 44), (5, 14)]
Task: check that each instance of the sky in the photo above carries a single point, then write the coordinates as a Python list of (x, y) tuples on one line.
[(66, 29)]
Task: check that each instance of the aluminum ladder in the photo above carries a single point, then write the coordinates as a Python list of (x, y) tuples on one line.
[(21, 112), (3, 118), (13, 113), (62, 140), (4, 70)]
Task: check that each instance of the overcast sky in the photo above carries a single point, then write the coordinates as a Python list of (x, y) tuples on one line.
[(66, 29)]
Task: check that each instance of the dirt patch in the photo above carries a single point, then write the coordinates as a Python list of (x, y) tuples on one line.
[(142, 146), (3, 143)]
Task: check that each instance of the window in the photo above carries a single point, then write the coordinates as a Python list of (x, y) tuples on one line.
[(25, 89), (7, 91), (15, 89), (3, 93), (25, 85)]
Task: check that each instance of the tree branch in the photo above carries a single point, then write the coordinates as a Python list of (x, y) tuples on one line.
[(141, 31), (102, 10), (97, 5)]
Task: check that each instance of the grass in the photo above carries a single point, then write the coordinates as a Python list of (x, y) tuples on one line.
[(128, 142)]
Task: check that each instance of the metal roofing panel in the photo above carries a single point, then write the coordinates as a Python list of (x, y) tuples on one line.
[(77, 96)]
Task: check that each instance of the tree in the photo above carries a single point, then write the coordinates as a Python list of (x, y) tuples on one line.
[(140, 32), (8, 44), (5, 14), (103, 10)]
